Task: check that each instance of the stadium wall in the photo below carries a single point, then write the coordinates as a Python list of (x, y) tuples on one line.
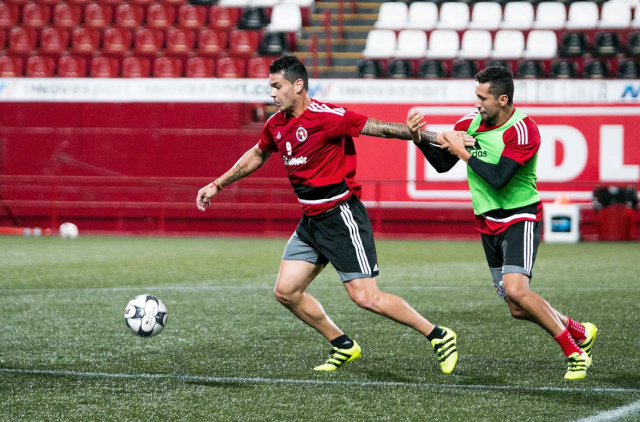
[(129, 155)]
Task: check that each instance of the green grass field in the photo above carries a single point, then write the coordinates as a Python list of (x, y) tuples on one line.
[(230, 352)]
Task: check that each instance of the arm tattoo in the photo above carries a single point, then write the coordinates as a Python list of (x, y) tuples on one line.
[(247, 164), (383, 129)]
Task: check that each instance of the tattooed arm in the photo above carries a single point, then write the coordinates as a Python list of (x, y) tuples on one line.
[(251, 161), (383, 129)]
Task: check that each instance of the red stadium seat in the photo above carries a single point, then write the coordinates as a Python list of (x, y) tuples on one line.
[(17, 2), (243, 43), (49, 2), (143, 3), (79, 2), (67, 16), (9, 14), (117, 41), (129, 16), (167, 67), (136, 67), (36, 15), (10, 66), (230, 67), (192, 17), (148, 41), (53, 40), (72, 67), (98, 16), (85, 40), (180, 41), (112, 3), (258, 67), (22, 40), (40, 67), (3, 38), (211, 42), (173, 2), (199, 67), (160, 16), (104, 67), (223, 17)]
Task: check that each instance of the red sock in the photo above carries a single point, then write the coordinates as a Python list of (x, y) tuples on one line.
[(576, 330), (567, 343)]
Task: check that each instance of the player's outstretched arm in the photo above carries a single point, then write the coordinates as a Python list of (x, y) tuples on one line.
[(441, 160), (382, 129), (251, 161)]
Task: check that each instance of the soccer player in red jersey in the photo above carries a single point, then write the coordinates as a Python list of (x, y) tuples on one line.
[(501, 173), (315, 143)]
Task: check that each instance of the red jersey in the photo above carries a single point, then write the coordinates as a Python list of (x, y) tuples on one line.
[(318, 152), (521, 143)]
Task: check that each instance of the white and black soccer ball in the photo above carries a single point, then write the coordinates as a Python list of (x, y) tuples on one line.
[(145, 315), (68, 231)]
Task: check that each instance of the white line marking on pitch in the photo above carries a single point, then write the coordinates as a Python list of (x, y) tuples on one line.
[(241, 380), (612, 415)]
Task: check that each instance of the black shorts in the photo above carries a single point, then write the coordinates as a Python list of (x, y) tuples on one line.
[(342, 236), (512, 251)]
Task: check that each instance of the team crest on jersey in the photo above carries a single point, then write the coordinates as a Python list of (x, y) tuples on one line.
[(279, 136), (301, 134)]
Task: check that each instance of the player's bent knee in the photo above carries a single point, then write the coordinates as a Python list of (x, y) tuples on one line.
[(287, 298), (365, 301)]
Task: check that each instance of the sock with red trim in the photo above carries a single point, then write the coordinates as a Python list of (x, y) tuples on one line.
[(576, 329), (567, 343)]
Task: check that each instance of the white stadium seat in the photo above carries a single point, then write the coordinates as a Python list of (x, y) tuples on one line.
[(509, 44), (443, 44), (264, 3), (583, 15), (392, 15), (453, 16), (518, 15), (476, 44), (285, 17), (550, 15), (380, 44), (301, 3), (234, 3), (541, 44), (486, 16), (422, 15), (412, 44), (636, 17), (615, 14)]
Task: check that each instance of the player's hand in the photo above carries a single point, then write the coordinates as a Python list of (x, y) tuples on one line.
[(205, 194), (455, 142), (415, 122), (467, 140)]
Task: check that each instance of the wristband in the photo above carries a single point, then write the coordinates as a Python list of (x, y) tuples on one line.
[(217, 183)]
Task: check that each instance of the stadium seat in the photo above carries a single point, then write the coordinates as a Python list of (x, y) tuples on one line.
[(486, 15), (117, 41), (81, 3), (72, 67), (530, 69), (97, 16), (550, 15), (17, 2), (22, 40), (253, 18), (464, 69), (508, 44), (273, 44), (160, 16), (243, 43), (192, 17), (400, 69), (3, 39), (628, 69), (234, 3), (563, 69), (129, 16), (582, 15), (258, 67), (199, 67), (615, 15), (222, 17), (476, 44), (285, 17), (596, 69), (50, 2), (633, 45), (541, 44), (84, 40), (369, 69), (148, 41), (497, 62), (166, 67), (9, 14), (112, 3), (411, 44), (573, 44), (180, 41), (264, 3), (67, 16), (636, 16), (143, 3), (53, 41), (392, 15), (453, 15), (104, 67), (40, 67), (422, 15), (206, 3), (443, 44), (230, 67), (176, 3), (381, 43), (136, 67), (607, 44), (211, 42), (10, 66), (36, 15), (431, 69), (518, 15)]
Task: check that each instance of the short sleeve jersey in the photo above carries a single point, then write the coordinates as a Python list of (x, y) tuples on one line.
[(318, 152)]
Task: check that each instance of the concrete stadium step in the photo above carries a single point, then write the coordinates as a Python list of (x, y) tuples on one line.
[(361, 6), (343, 46), (348, 19), (333, 71)]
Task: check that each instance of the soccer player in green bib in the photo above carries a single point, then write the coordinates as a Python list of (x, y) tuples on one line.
[(501, 171)]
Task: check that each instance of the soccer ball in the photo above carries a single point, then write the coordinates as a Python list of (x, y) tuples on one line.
[(145, 315), (68, 231)]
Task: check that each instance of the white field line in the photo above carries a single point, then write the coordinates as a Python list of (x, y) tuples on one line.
[(315, 382), (615, 414)]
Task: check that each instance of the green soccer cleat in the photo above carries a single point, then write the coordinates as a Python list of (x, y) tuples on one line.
[(337, 357), (587, 345), (446, 351), (577, 364)]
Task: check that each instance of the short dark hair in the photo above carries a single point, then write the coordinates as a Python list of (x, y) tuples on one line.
[(500, 81), (292, 69)]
